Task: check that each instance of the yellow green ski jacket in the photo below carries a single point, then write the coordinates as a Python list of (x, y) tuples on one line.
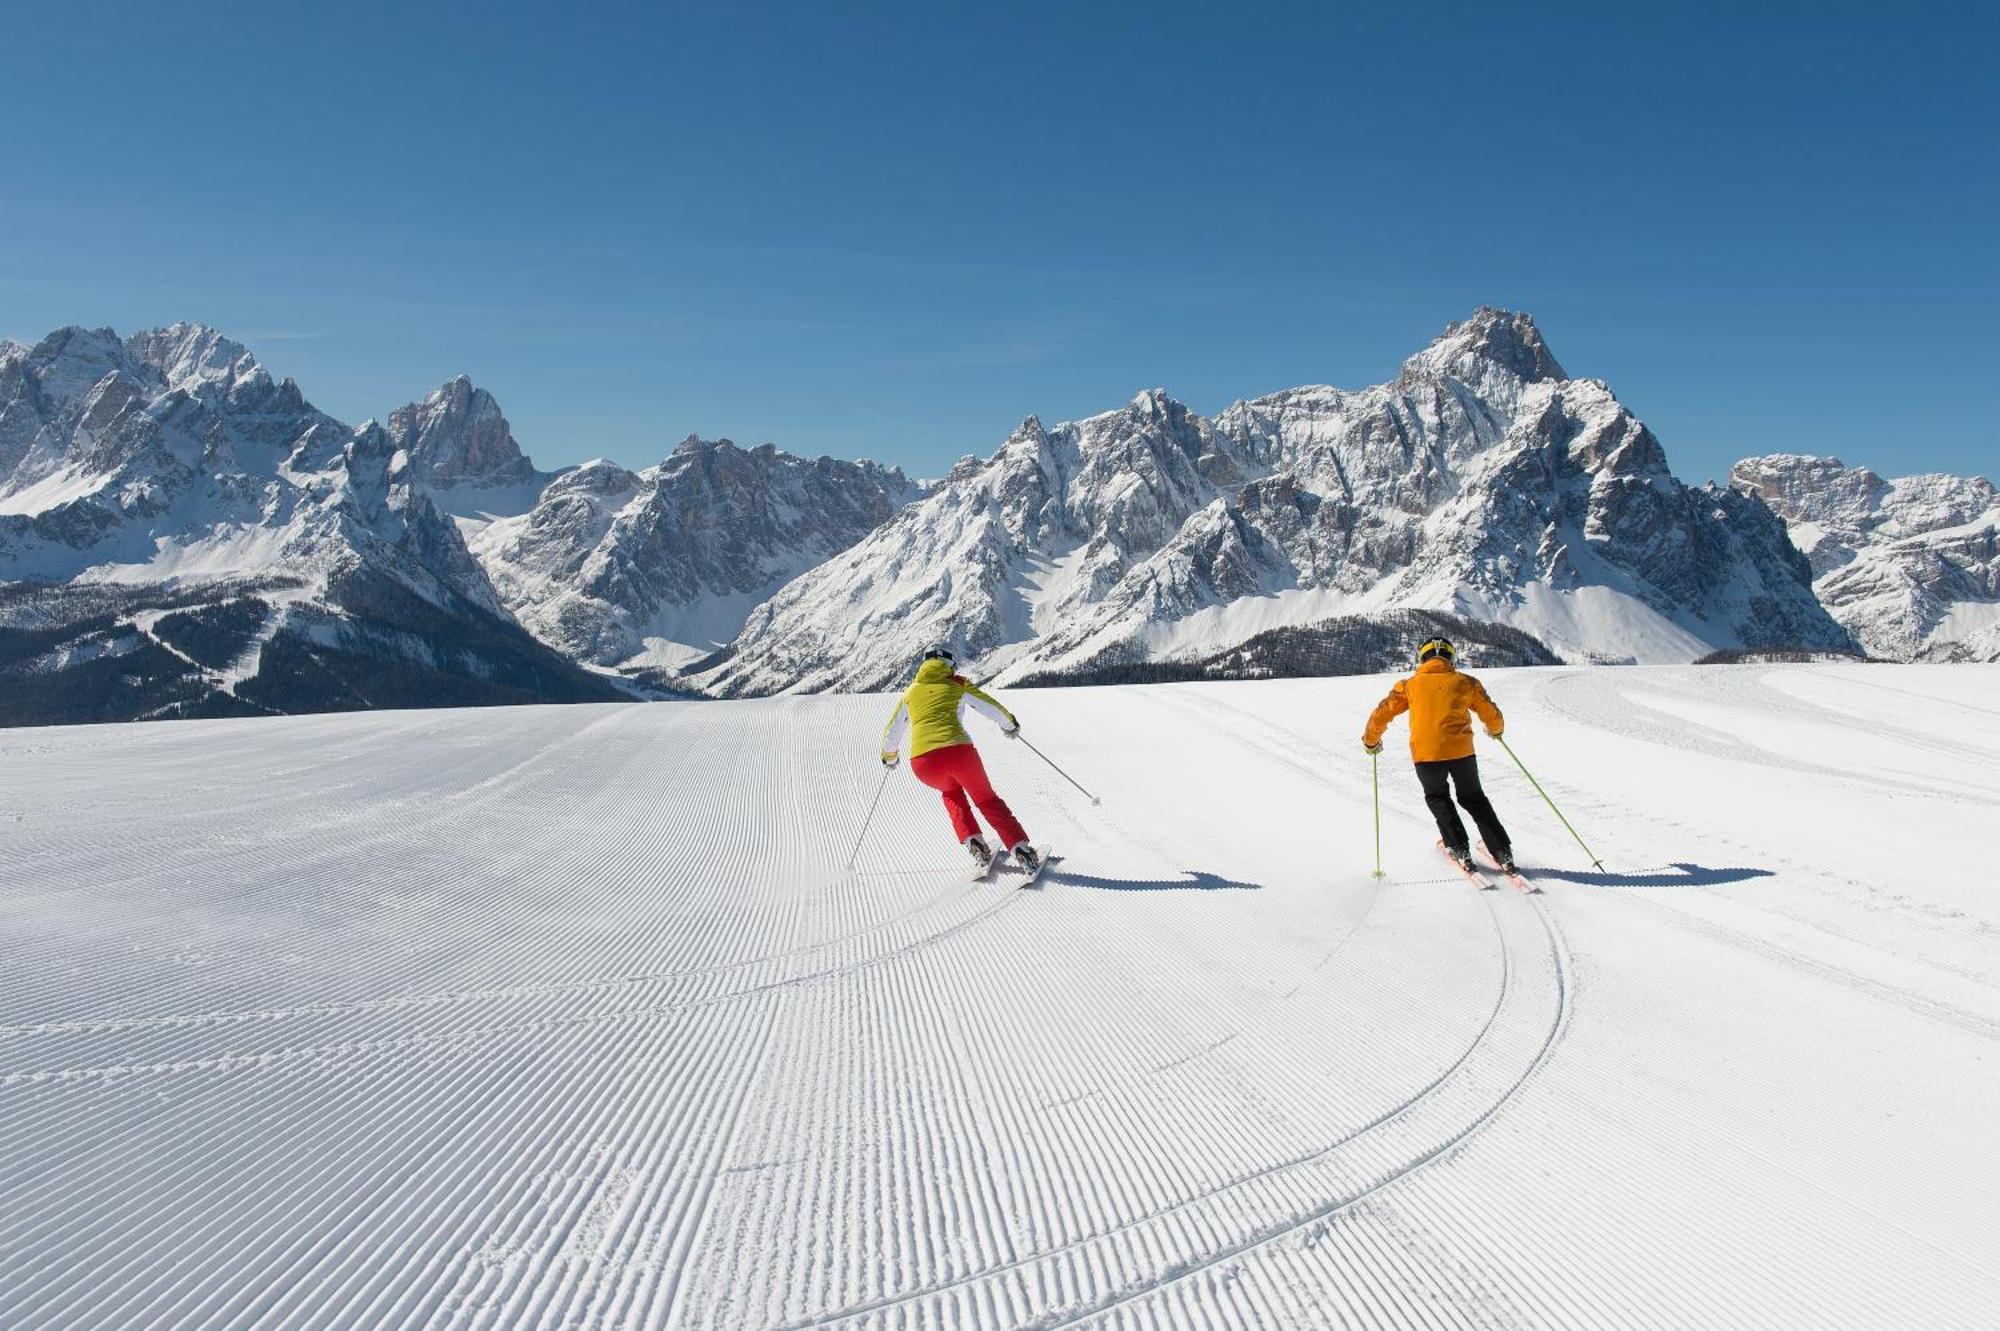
[(930, 710)]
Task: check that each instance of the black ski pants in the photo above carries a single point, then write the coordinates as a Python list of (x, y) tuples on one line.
[(1462, 773)]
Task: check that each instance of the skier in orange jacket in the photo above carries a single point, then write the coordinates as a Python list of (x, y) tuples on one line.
[(1441, 702)]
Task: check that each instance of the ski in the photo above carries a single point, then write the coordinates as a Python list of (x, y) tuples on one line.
[(1520, 880), (988, 871), (1473, 876), (1035, 877)]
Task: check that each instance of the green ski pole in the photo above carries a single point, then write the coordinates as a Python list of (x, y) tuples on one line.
[(1595, 862), (1375, 781)]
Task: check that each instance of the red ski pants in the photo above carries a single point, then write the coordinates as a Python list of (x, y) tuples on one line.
[(958, 775)]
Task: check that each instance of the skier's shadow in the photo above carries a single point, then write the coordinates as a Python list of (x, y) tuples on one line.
[(1192, 880), (1671, 875)]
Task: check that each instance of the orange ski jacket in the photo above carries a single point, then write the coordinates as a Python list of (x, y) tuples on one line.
[(1439, 700)]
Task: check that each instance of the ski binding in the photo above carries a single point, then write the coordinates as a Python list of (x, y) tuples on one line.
[(1035, 877), (1520, 880), (1472, 875)]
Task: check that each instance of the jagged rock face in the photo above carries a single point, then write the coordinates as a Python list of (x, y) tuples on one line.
[(107, 446), (1482, 481), (458, 440), (173, 454), (166, 478), (1045, 529), (661, 565), (1911, 566), (539, 562)]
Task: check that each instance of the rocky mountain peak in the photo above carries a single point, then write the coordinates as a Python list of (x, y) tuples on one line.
[(1490, 339), (70, 360), (1800, 488), (966, 468), (724, 462), (1157, 408), (720, 461), (599, 476), (192, 357), (1030, 435), (458, 437), (1855, 501), (1910, 565)]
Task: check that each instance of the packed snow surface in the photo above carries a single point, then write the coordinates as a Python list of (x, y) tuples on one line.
[(575, 1017)]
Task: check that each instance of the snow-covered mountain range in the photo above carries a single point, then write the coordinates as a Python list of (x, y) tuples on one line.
[(1483, 481), (1911, 566), (181, 534), (660, 567)]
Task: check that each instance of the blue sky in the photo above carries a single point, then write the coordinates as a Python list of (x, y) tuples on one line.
[(893, 231)]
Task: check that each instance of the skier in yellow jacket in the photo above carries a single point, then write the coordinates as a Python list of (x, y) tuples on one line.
[(943, 758), (1441, 702)]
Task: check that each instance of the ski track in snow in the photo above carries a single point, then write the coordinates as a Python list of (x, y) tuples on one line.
[(574, 1017)]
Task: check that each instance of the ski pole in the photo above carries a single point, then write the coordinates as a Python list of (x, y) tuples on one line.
[(1375, 781), (880, 786), (1595, 862), (1059, 771)]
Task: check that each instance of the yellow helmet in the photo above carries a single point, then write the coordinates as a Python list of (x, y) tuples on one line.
[(1436, 647)]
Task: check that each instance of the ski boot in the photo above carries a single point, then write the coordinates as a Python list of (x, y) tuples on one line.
[(1027, 857), (1505, 859), (982, 854), (1462, 857)]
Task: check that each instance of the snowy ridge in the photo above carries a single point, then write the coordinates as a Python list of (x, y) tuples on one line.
[(1483, 482), (1911, 566), (660, 567), (427, 1031), (171, 517)]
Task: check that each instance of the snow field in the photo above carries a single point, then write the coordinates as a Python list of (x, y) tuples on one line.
[(576, 1017)]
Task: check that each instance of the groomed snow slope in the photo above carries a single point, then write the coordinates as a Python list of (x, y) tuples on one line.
[(571, 1017)]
